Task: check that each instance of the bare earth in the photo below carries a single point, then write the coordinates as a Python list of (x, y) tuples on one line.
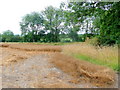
[(33, 69)]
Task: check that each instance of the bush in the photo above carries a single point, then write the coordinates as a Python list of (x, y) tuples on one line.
[(93, 41), (66, 40)]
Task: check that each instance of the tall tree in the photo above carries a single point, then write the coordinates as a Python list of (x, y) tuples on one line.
[(32, 23), (71, 24), (7, 36), (53, 19), (108, 24)]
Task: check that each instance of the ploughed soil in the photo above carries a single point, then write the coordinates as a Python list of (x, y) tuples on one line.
[(44, 66)]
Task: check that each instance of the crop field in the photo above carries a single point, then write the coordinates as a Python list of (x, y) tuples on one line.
[(73, 65)]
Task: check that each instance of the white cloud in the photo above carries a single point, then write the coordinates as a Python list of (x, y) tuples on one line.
[(11, 11)]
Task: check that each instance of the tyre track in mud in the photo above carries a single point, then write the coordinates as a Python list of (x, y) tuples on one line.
[(35, 71)]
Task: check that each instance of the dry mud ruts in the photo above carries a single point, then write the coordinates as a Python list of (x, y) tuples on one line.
[(33, 47), (84, 71)]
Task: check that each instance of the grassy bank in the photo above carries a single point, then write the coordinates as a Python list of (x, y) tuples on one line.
[(106, 56), (112, 65)]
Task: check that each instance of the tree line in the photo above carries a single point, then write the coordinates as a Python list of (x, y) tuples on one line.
[(98, 20), (8, 36)]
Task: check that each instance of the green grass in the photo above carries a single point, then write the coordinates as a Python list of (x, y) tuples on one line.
[(58, 43), (113, 66), (46, 43)]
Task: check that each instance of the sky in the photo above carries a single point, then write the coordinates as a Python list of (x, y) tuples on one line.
[(12, 11)]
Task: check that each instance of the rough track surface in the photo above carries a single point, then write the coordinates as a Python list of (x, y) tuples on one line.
[(33, 69)]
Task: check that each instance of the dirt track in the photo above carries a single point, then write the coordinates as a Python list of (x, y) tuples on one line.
[(24, 67)]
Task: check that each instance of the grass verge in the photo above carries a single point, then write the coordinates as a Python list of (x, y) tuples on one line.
[(105, 56), (111, 65)]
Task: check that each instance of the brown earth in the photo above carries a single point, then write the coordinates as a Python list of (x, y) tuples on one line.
[(44, 66), (84, 71)]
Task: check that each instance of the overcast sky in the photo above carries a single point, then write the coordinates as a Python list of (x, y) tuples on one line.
[(12, 11)]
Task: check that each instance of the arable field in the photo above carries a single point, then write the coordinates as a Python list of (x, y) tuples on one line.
[(75, 65)]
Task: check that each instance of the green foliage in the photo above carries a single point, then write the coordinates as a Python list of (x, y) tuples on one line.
[(108, 23), (113, 65), (53, 19), (81, 38), (8, 36), (66, 40), (74, 36), (97, 19), (31, 25), (16, 38), (0, 37)]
